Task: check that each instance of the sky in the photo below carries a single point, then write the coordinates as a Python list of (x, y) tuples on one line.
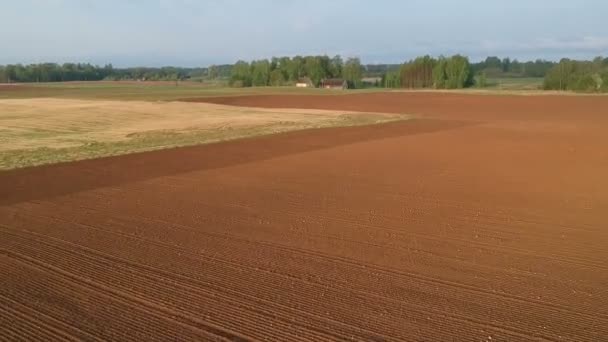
[(200, 33)]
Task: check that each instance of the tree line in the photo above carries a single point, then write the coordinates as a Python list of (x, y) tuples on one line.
[(458, 72), (584, 76), (50, 72), (453, 72), (280, 71), (501, 68), (53, 72), (423, 72)]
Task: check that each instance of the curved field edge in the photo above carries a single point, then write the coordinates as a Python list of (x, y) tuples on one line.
[(47, 131)]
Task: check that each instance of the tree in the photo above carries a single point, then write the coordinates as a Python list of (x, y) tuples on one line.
[(538, 68), (598, 64), (277, 78), (52, 72), (493, 62), (418, 73), (496, 67), (604, 77), (295, 68), (516, 67), (241, 75), (482, 82), (506, 65), (458, 72), (325, 64), (586, 76), (391, 80), (453, 73), (314, 69), (274, 63), (352, 72), (336, 66), (212, 72), (260, 73), (440, 73), (558, 78)]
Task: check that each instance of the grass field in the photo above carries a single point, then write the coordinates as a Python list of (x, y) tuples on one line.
[(47, 130), (529, 83), (167, 91), (145, 91)]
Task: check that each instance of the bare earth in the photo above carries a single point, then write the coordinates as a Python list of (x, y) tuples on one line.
[(483, 220)]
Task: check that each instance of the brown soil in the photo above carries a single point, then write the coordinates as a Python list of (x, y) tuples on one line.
[(483, 220)]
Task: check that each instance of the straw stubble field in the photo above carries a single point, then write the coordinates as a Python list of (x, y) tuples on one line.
[(49, 130)]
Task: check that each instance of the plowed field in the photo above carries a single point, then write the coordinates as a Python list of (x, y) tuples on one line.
[(484, 219)]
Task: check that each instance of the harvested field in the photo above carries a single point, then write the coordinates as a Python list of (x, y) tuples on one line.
[(483, 220), (42, 131)]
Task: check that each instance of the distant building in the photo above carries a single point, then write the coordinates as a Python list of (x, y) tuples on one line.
[(305, 82), (334, 83)]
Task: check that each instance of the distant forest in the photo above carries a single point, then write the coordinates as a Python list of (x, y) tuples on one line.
[(424, 72), (287, 70), (52, 72)]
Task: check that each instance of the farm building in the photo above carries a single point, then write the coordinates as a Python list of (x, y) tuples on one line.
[(304, 82), (334, 83)]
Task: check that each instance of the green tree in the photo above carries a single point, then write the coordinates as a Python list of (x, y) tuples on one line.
[(295, 68), (314, 69), (440, 73), (325, 64), (274, 63), (352, 72), (482, 81), (283, 64), (604, 78), (560, 77), (493, 62), (11, 75), (458, 72), (418, 73), (213, 72), (277, 78), (506, 65), (336, 66), (391, 79), (260, 73), (586, 76), (516, 67), (241, 75)]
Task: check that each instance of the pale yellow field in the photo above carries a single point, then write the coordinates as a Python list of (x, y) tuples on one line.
[(45, 130)]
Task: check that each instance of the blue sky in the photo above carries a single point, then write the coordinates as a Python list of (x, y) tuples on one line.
[(198, 33)]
